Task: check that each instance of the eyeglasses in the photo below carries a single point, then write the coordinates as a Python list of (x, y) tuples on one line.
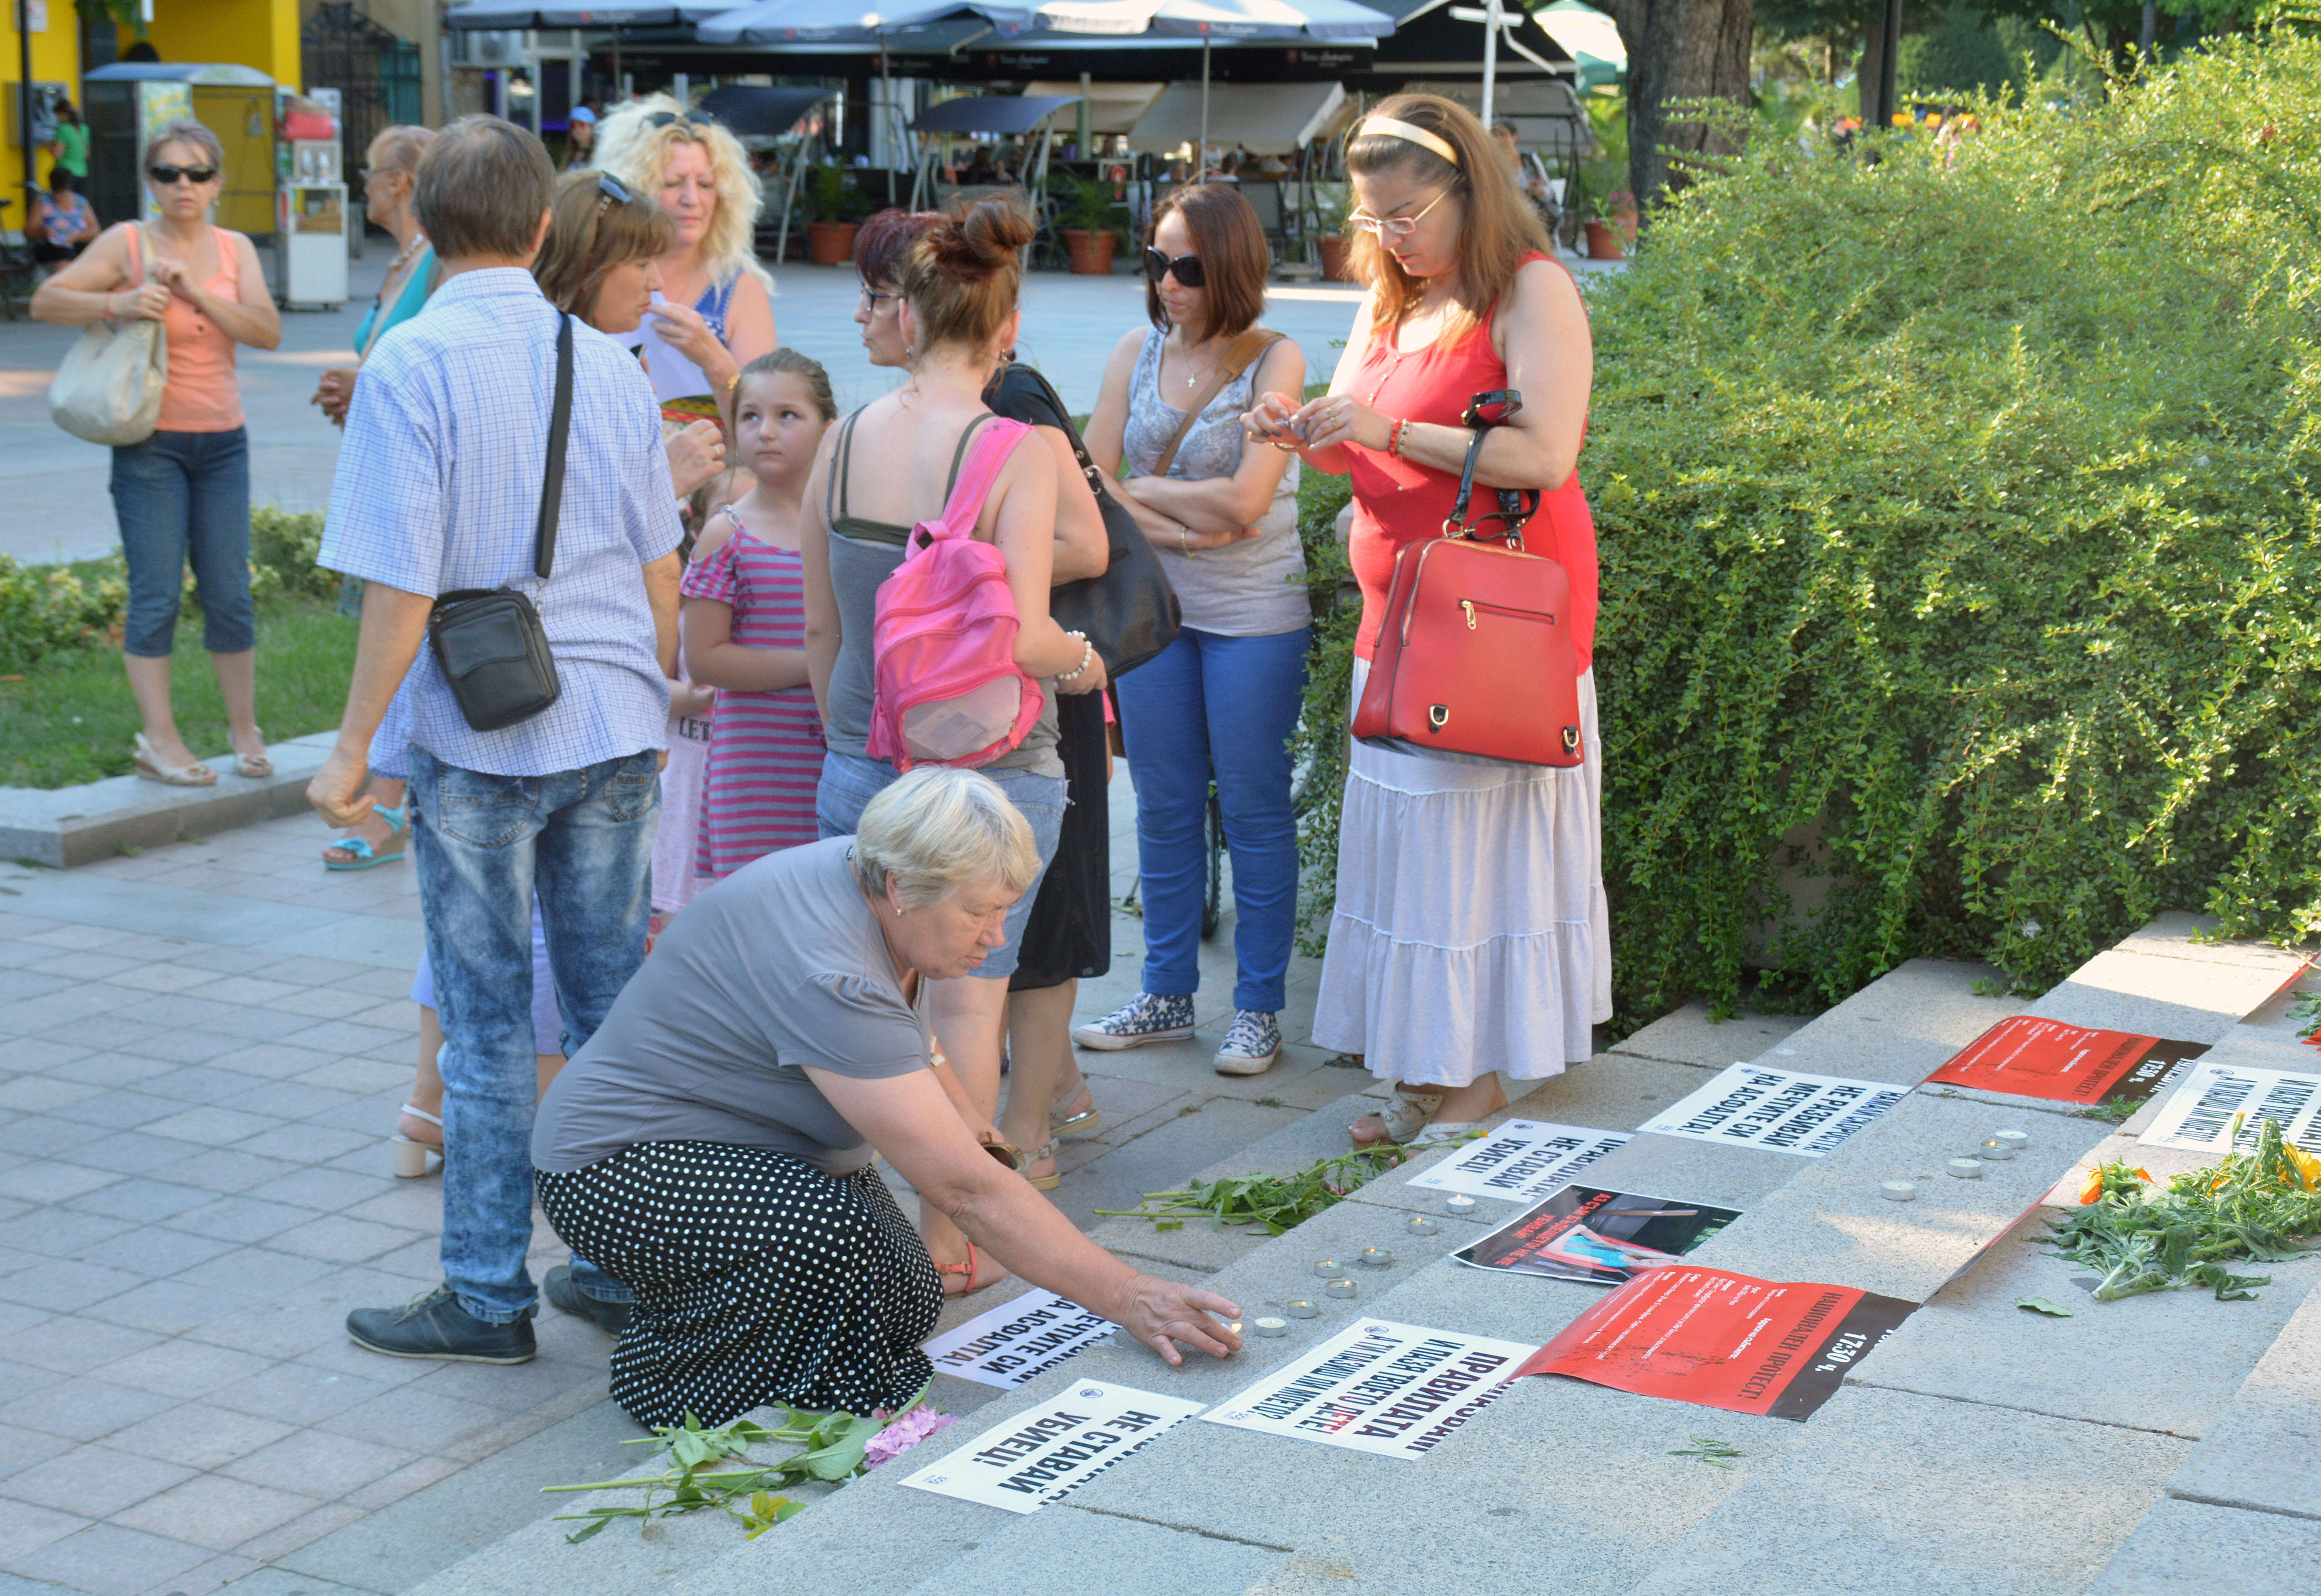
[(612, 192), (664, 118), (1394, 226), (1188, 268), (167, 175), (871, 297)]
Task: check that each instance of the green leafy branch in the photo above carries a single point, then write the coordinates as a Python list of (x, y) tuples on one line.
[(1277, 1202), (1715, 1454), (2259, 1207), (710, 1468)]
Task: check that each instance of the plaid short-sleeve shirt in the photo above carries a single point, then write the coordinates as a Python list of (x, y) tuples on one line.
[(438, 488)]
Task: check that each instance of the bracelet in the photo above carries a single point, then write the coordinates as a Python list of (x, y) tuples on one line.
[(1401, 436), (1184, 540), (1087, 652)]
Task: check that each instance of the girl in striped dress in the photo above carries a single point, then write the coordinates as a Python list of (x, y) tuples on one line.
[(744, 621)]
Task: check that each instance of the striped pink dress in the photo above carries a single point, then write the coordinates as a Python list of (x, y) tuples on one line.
[(765, 749)]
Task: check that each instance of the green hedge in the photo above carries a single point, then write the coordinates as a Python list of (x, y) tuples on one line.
[(45, 610), (1960, 546)]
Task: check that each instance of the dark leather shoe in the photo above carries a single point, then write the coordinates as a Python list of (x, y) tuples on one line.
[(611, 1317), (436, 1326)]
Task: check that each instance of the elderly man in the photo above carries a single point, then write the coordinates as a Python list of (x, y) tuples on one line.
[(439, 484)]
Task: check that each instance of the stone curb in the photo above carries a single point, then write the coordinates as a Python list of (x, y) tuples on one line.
[(69, 826)]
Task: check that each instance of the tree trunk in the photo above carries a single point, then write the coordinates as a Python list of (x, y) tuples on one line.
[(1678, 49)]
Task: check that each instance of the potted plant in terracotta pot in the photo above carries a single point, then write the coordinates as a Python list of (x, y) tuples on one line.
[(834, 216), (1333, 206), (1093, 221), (1620, 210)]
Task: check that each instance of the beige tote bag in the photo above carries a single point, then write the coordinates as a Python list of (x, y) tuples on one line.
[(108, 388)]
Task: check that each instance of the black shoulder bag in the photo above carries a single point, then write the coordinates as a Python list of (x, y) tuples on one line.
[(489, 641), (1130, 613)]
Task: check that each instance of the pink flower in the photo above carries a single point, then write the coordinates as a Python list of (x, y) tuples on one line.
[(903, 1433)]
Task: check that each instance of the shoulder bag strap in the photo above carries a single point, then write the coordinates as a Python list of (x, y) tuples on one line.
[(1088, 468), (560, 429), (1238, 356)]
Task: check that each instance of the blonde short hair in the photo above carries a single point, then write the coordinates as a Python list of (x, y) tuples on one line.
[(938, 828), (630, 147)]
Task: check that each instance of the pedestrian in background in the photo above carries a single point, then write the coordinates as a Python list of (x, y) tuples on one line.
[(184, 493), (61, 224), (560, 802)]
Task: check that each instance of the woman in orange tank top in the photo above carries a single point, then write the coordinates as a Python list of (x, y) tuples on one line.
[(1470, 937), (184, 493)]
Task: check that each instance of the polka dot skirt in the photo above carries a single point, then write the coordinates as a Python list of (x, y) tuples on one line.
[(759, 1279)]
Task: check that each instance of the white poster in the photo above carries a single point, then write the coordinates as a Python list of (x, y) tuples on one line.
[(2199, 1115), (1016, 1341), (1521, 1161), (1779, 1110), (1044, 1454), (1377, 1386)]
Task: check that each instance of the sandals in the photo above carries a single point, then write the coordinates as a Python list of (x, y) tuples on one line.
[(413, 1158), (254, 767), (149, 766), (398, 834), (968, 1270), (1086, 1122), (1016, 1159), (1405, 1116)]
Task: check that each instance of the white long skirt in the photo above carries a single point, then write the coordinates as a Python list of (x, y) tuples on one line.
[(1471, 932)]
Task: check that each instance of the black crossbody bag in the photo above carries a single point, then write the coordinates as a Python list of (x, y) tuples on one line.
[(489, 641)]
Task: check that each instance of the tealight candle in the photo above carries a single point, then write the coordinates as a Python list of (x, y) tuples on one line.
[(1994, 1151), (1328, 1268), (1461, 1204), (1896, 1190), (1965, 1169), (1376, 1257), (1421, 1225), (1270, 1326), (1342, 1288), (1298, 1307), (2016, 1139)]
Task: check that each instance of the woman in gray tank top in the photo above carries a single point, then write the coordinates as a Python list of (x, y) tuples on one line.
[(1218, 705), (886, 467)]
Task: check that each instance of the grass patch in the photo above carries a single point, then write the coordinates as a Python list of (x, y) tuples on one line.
[(72, 718)]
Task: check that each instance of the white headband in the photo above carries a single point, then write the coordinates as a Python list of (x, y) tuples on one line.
[(1412, 133)]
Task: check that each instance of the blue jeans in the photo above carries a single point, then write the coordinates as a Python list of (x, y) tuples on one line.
[(1222, 707), (849, 783), (178, 494), (483, 846)]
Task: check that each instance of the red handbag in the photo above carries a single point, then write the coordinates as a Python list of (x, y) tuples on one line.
[(1474, 653)]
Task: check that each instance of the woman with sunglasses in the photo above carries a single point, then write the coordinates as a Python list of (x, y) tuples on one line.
[(1220, 702), (713, 311), (185, 491), (1471, 934)]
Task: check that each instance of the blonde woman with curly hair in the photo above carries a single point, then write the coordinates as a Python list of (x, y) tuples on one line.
[(714, 311)]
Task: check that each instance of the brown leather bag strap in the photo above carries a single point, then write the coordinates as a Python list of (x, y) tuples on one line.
[(1240, 355)]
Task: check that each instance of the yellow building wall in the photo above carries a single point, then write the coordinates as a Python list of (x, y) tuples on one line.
[(260, 33), (56, 59)]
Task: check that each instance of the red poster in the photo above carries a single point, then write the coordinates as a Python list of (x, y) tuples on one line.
[(2027, 1057), (1779, 1348)]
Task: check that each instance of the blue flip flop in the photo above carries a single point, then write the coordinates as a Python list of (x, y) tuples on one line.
[(398, 822)]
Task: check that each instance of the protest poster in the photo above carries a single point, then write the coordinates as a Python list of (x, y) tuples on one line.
[(1521, 1161), (1776, 1348), (1011, 1345), (2199, 1118), (1376, 1386), (1778, 1110), (2028, 1057), (1585, 1233), (1044, 1454)]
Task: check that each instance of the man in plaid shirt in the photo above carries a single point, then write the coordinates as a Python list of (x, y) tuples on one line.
[(438, 488)]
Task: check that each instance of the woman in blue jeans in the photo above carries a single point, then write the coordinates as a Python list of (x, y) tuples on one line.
[(183, 492), (880, 471), (1220, 704)]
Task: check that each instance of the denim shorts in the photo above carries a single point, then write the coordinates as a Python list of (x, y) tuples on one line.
[(849, 783)]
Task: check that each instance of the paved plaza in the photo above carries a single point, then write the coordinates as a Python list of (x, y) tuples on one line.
[(202, 1048)]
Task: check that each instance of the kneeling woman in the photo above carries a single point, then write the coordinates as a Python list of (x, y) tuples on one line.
[(712, 1145)]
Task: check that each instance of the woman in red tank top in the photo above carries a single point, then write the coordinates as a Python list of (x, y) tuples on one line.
[(1471, 934)]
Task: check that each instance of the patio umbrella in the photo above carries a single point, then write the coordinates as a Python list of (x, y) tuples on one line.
[(1217, 19), (849, 22), (505, 18)]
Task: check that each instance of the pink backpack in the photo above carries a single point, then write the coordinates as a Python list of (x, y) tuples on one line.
[(947, 689)]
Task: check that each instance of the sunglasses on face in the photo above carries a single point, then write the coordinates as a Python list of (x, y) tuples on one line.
[(1394, 226), (169, 174), (664, 118), (1187, 268)]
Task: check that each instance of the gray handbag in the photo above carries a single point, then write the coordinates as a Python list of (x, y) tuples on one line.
[(108, 386), (489, 641)]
